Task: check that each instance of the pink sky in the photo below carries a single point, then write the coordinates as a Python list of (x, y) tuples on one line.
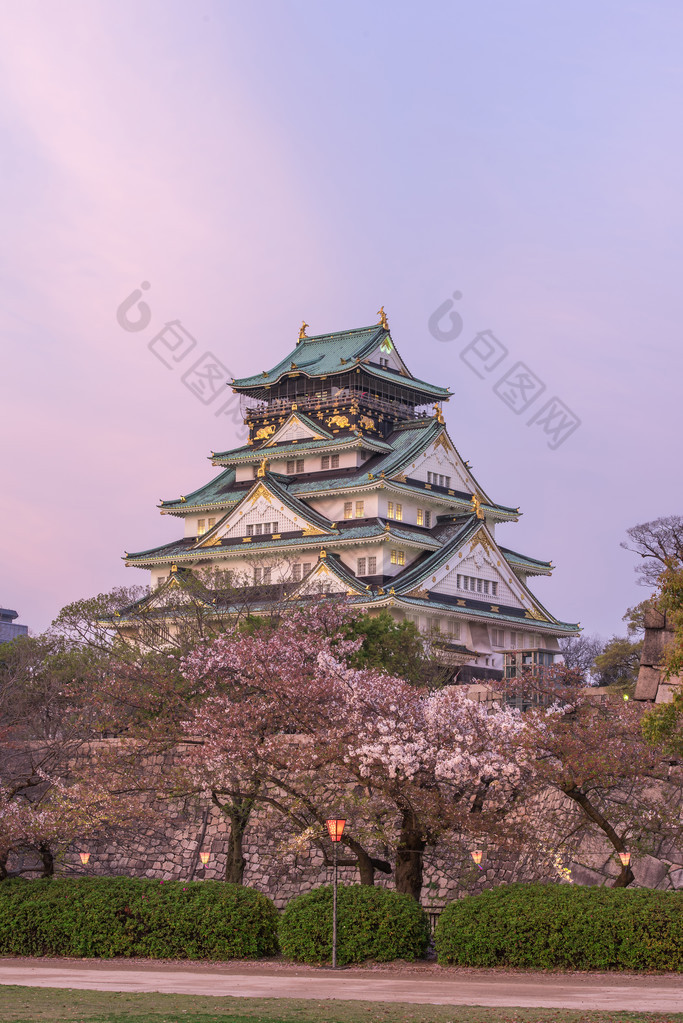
[(263, 163)]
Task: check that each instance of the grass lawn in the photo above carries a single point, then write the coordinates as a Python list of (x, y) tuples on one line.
[(59, 1005)]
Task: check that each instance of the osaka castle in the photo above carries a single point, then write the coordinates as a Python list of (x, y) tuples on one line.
[(349, 483)]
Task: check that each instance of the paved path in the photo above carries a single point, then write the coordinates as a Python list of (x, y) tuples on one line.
[(596, 991)]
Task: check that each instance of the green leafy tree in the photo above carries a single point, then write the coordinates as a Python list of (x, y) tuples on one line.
[(617, 666)]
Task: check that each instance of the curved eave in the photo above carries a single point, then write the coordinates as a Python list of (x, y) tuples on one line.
[(246, 455), (174, 553)]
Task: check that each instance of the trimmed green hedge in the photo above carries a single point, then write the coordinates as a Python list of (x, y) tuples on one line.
[(124, 916), (579, 928), (372, 923)]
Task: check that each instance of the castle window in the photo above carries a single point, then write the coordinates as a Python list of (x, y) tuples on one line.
[(306, 567), (258, 529), (161, 580), (210, 523), (360, 569), (398, 557), (296, 573), (334, 461), (498, 637), (372, 566), (360, 512), (201, 527), (299, 465), (424, 518), (325, 462), (266, 576), (453, 629), (348, 509), (390, 510), (399, 512), (250, 532), (291, 466), (258, 576)]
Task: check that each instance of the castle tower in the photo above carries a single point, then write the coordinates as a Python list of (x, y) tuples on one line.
[(349, 483)]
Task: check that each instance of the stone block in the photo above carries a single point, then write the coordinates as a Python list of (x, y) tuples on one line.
[(583, 875), (654, 619), (676, 878), (653, 647), (649, 871), (648, 683), (667, 691)]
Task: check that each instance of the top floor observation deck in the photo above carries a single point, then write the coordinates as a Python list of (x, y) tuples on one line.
[(331, 401)]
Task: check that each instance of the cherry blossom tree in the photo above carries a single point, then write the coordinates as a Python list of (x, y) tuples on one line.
[(591, 751), (285, 708)]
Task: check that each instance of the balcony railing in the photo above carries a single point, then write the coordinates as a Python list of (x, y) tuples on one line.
[(252, 408)]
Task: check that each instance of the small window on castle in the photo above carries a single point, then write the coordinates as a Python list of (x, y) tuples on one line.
[(250, 530), (348, 509), (494, 589), (258, 529), (296, 573), (360, 509), (360, 568), (325, 462), (428, 519), (210, 523), (258, 576), (266, 576), (420, 517), (334, 461), (291, 466), (498, 637), (399, 512), (307, 567), (161, 580), (299, 465), (390, 510), (398, 557), (201, 527), (372, 566)]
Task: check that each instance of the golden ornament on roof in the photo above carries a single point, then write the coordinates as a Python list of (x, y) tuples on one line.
[(383, 317), (302, 330)]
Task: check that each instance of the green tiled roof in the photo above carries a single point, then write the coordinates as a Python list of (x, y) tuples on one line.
[(524, 561), (187, 549), (250, 453), (327, 354)]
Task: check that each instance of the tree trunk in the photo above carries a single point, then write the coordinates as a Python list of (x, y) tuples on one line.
[(238, 811), (3, 866), (234, 867), (626, 875), (365, 865), (47, 860), (410, 857)]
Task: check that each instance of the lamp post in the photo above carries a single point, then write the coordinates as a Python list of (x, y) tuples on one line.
[(335, 830)]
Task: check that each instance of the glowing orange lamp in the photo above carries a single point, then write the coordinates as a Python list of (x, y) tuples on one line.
[(335, 829), (204, 857), (625, 858), (477, 856), (84, 858)]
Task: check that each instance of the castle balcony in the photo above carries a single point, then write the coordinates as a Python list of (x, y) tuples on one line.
[(325, 401)]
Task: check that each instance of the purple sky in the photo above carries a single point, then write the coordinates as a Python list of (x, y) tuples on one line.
[(263, 162)]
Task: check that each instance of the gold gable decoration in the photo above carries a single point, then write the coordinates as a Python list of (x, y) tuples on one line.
[(383, 318), (481, 538), (420, 592), (313, 531), (265, 432), (535, 615), (476, 506), (261, 491)]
